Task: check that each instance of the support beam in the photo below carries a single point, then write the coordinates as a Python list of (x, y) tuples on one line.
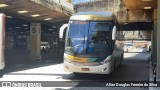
[(158, 39), (154, 39), (34, 41)]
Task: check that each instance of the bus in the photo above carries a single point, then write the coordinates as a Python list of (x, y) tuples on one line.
[(91, 44), (2, 43)]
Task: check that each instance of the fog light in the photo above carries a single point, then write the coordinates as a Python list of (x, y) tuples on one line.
[(67, 67), (104, 69)]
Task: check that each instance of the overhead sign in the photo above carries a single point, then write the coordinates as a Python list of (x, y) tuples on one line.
[(35, 28)]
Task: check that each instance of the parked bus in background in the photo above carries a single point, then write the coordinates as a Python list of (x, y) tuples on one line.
[(2, 43), (91, 45)]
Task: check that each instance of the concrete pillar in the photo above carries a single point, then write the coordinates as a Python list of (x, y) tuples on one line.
[(154, 38), (152, 42), (158, 39), (34, 41)]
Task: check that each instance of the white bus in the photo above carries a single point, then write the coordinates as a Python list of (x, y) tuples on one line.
[(2, 43), (91, 45)]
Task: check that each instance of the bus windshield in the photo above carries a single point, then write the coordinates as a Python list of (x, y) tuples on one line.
[(89, 38)]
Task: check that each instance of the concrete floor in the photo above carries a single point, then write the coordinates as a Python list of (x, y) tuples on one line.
[(135, 67)]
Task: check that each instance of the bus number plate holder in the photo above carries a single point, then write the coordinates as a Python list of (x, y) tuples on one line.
[(85, 69)]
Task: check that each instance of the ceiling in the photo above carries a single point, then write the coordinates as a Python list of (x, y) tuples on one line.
[(33, 8), (141, 12), (140, 4), (55, 14)]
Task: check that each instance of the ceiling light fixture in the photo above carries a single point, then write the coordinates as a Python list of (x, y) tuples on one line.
[(146, 0), (35, 15), (3, 5), (50, 29), (147, 7), (9, 16), (18, 27), (25, 25), (23, 11), (48, 19), (53, 26)]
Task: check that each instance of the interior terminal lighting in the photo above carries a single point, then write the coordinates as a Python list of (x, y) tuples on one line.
[(53, 26), (48, 19), (125, 23), (147, 7), (22, 11), (50, 29), (25, 25), (3, 5), (146, 0), (35, 15), (18, 27), (9, 16)]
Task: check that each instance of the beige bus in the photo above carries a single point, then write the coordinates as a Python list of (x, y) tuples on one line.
[(91, 45)]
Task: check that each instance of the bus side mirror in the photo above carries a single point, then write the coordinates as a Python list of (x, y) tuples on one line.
[(62, 29), (114, 33)]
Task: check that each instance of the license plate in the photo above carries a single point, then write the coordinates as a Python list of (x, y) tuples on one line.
[(79, 59), (85, 69)]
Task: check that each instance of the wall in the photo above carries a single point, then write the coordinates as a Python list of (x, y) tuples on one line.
[(115, 6)]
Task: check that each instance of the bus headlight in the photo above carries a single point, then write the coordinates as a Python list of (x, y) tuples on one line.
[(66, 59), (106, 60)]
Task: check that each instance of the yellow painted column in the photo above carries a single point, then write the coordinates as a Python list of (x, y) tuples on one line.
[(34, 41)]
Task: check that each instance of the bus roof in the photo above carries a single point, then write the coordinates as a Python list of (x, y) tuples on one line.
[(97, 16)]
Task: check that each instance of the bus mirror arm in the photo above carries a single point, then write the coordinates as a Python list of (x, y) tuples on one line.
[(114, 33), (62, 30)]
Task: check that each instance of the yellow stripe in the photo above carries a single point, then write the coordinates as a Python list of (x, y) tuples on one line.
[(77, 59)]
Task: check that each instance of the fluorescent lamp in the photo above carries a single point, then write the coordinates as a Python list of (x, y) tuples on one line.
[(25, 25), (53, 26), (125, 23), (146, 0), (23, 11), (18, 27), (48, 19), (3, 5), (35, 15), (9, 16), (147, 7), (50, 29)]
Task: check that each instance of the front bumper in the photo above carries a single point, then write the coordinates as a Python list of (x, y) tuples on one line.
[(100, 69)]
